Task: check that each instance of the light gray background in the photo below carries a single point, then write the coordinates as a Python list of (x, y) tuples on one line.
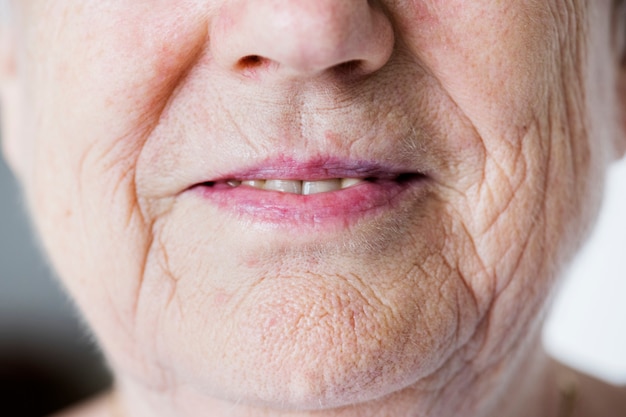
[(40, 337), (30, 301)]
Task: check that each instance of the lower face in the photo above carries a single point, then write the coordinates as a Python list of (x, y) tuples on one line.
[(458, 207)]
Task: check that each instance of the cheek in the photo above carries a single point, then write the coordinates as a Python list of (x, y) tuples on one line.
[(93, 101), (518, 85), (489, 70), (529, 184)]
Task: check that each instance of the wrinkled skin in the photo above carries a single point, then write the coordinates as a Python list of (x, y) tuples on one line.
[(117, 107)]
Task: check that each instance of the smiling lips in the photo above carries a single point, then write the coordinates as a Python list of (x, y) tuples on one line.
[(331, 194), (300, 187)]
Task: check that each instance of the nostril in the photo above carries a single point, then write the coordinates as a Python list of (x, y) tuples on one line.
[(302, 39), (251, 62), (349, 68)]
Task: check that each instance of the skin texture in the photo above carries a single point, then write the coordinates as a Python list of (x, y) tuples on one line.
[(427, 308)]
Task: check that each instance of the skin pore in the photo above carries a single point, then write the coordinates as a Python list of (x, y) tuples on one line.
[(125, 115)]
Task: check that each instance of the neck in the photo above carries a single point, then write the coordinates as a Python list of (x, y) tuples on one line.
[(536, 389), (528, 388)]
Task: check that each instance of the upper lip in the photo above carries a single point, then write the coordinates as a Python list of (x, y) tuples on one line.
[(163, 176), (314, 169)]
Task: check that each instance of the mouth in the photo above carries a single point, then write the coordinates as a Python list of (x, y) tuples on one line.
[(314, 193), (306, 186)]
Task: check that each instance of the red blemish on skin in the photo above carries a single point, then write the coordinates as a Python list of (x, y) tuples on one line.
[(221, 298), (424, 13), (252, 262), (333, 138)]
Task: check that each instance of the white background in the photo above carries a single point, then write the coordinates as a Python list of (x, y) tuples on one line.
[(587, 328)]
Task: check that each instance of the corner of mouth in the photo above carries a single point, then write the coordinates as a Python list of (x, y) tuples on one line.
[(305, 197)]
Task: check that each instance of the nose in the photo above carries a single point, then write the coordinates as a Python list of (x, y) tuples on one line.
[(301, 38)]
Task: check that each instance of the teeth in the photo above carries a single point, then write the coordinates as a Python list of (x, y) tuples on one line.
[(299, 187), (284, 186), (350, 182), (254, 183), (316, 187)]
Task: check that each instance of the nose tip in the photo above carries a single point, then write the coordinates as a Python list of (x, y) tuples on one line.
[(301, 38)]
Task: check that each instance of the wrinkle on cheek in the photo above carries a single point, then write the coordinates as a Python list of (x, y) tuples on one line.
[(111, 210), (504, 175), (119, 106), (498, 216)]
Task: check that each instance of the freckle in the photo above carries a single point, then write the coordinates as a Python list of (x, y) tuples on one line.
[(68, 213), (352, 322), (523, 130), (252, 262), (221, 298), (332, 138)]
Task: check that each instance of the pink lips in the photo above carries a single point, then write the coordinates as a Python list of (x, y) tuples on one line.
[(381, 191)]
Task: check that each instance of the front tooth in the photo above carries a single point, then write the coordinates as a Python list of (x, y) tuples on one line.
[(324, 186), (350, 182), (284, 186), (254, 183)]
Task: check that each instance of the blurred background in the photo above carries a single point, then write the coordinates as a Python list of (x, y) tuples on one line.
[(47, 360), (587, 325)]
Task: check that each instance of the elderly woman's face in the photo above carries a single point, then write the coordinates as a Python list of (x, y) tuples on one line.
[(311, 203)]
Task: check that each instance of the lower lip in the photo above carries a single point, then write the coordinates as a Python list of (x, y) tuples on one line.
[(341, 206)]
